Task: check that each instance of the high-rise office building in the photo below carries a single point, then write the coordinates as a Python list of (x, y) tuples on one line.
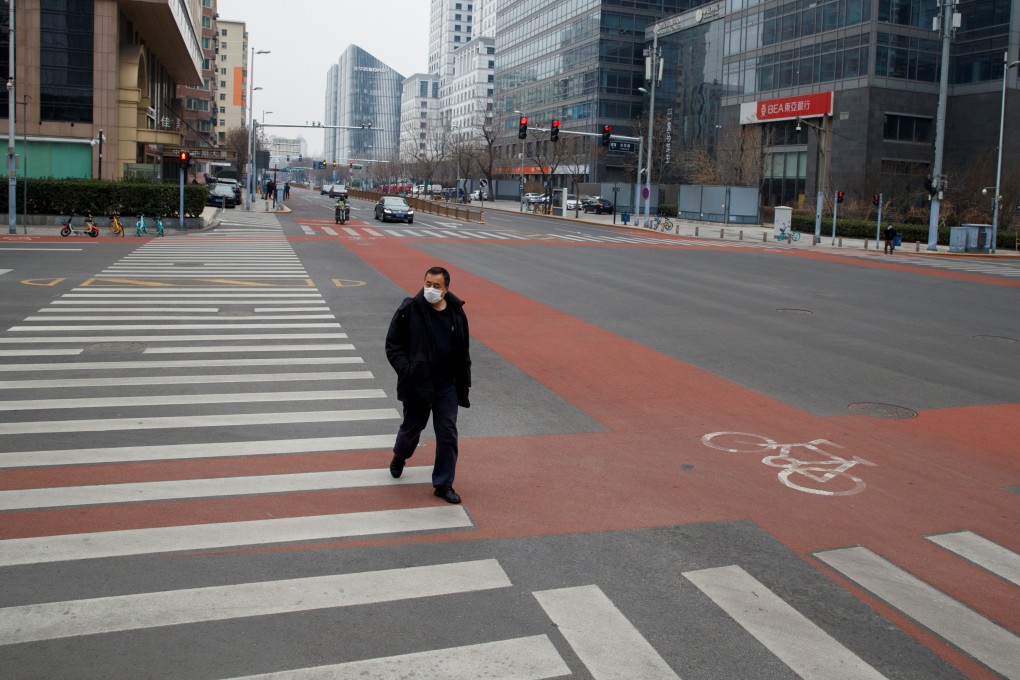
[(363, 99)]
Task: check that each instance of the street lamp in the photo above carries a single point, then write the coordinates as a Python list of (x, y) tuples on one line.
[(653, 73), (251, 125), (998, 166), (523, 142), (821, 189), (99, 141)]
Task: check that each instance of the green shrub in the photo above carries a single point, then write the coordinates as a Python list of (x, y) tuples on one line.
[(851, 228), (48, 196)]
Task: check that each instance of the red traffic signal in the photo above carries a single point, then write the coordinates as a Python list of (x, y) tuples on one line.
[(607, 132), (184, 156), (554, 131), (876, 199), (839, 197), (522, 128)]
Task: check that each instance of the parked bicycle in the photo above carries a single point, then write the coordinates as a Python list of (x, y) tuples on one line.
[(115, 225), (88, 227), (660, 223), (783, 235), (141, 228)]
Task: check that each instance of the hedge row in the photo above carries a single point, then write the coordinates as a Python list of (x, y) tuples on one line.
[(850, 228), (102, 197)]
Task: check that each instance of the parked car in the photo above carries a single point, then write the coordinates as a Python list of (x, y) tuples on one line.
[(394, 208), (325, 189), (233, 184), (221, 195), (532, 198), (572, 202), (478, 195), (600, 206)]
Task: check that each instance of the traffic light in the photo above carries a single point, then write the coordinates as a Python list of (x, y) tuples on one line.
[(554, 131), (522, 128), (184, 157), (334, 164), (607, 132), (350, 165), (839, 197), (875, 199)]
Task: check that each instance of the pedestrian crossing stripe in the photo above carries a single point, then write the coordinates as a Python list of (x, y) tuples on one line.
[(194, 537), (174, 607)]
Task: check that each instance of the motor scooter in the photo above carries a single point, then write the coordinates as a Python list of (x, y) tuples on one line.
[(342, 213), (88, 227)]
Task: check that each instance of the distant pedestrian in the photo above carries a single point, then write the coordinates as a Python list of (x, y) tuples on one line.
[(286, 191), (890, 239), (428, 346)]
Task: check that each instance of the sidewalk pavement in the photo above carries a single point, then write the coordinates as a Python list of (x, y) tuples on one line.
[(747, 232)]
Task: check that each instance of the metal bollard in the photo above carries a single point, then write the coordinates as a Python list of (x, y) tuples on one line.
[(695, 230), (917, 246), (840, 241), (740, 235), (865, 244), (764, 236), (722, 233)]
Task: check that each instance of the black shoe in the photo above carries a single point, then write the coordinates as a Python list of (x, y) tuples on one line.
[(396, 466), (447, 494)]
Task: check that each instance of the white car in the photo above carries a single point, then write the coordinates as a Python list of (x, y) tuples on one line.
[(573, 203), (532, 198), (325, 189), (478, 195)]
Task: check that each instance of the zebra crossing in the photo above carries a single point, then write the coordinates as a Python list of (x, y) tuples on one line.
[(216, 348), (1008, 268), (476, 233)]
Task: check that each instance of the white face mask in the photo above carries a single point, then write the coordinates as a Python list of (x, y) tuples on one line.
[(432, 295)]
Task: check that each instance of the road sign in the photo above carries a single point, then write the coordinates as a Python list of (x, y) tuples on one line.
[(621, 146), (644, 192), (483, 182)]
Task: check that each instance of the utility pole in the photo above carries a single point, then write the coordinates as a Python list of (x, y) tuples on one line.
[(12, 158), (653, 73), (946, 25)]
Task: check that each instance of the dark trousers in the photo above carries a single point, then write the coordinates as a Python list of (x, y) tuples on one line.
[(444, 422)]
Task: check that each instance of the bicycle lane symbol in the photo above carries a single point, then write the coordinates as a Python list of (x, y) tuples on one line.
[(824, 474)]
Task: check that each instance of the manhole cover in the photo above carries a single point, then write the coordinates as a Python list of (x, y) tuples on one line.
[(790, 310), (116, 347), (882, 410), (997, 338)]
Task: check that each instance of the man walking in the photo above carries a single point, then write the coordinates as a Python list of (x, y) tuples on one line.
[(428, 346), (890, 239)]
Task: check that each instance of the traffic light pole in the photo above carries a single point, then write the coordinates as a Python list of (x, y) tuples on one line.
[(835, 209)]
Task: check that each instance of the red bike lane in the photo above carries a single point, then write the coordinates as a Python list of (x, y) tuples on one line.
[(932, 474)]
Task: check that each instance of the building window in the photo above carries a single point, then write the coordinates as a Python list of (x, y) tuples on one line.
[(206, 22), (456, 38), (223, 31), (223, 97), (906, 128), (65, 57)]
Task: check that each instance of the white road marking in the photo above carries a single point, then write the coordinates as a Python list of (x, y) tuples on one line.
[(979, 550), (54, 620), (807, 649), (283, 347), (120, 454), (167, 338), (203, 378), (528, 658), (102, 494), (179, 399), (987, 642), (165, 317), (601, 636), (184, 363), (167, 326), (213, 420)]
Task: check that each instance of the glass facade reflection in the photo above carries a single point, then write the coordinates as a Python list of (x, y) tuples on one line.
[(361, 90), (579, 61)]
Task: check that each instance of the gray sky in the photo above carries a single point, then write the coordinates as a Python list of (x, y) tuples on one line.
[(306, 37)]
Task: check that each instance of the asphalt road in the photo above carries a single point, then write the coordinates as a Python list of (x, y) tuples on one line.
[(685, 457)]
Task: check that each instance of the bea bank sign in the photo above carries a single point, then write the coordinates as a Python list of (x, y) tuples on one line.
[(787, 108)]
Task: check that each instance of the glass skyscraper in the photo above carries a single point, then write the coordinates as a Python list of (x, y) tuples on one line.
[(362, 91)]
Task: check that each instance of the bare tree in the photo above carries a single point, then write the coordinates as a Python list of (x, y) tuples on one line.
[(237, 141)]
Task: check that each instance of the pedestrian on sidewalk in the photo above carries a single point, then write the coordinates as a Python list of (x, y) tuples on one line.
[(428, 346), (890, 239)]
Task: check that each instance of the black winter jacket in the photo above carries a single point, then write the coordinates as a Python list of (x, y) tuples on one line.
[(410, 349)]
